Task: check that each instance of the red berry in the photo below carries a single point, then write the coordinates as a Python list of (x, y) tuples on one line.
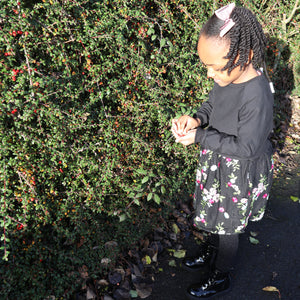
[(14, 111), (20, 32)]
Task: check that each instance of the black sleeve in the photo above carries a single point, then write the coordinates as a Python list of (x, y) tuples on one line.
[(254, 126)]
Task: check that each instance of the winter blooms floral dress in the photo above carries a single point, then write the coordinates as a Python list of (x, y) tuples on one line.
[(234, 173)]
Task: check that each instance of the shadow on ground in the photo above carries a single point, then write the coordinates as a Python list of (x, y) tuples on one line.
[(274, 261)]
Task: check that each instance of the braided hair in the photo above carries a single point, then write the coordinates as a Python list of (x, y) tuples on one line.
[(244, 36)]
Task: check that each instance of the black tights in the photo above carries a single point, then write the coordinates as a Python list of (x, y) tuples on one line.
[(227, 246)]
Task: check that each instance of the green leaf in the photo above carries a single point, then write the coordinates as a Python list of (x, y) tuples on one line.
[(163, 189), (294, 198), (153, 37), (141, 171), (145, 179), (156, 199), (162, 42), (133, 294), (253, 240), (180, 253), (147, 259), (172, 263), (122, 217), (149, 197), (175, 228)]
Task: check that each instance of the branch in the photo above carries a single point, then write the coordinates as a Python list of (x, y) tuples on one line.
[(286, 21)]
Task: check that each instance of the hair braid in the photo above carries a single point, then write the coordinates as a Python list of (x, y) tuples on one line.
[(245, 36)]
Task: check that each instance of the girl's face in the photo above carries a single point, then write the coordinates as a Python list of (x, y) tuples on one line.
[(211, 52)]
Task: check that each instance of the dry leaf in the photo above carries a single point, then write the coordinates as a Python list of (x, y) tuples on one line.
[(272, 289), (90, 294)]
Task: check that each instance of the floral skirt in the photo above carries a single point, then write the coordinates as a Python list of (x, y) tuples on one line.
[(230, 192)]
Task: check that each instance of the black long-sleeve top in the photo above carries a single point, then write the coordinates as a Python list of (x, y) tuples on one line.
[(238, 119)]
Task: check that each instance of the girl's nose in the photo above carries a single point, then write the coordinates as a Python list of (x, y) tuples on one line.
[(210, 73)]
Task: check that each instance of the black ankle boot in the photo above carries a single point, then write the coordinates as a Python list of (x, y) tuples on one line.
[(201, 261), (218, 283)]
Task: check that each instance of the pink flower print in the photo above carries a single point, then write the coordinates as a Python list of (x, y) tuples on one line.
[(211, 201), (265, 196), (198, 219), (249, 193), (201, 186), (198, 181), (272, 167), (234, 199), (202, 171), (228, 159), (229, 184), (204, 151), (221, 209), (219, 164)]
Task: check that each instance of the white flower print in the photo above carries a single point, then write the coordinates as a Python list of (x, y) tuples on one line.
[(244, 200), (213, 168), (226, 215)]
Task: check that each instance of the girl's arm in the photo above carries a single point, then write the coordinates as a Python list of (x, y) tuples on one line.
[(254, 126)]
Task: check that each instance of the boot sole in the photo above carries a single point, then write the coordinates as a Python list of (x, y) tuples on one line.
[(191, 297)]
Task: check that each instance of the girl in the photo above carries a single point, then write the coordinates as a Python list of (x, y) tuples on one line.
[(234, 174)]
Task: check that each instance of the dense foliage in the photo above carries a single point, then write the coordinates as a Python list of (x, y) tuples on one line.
[(88, 89)]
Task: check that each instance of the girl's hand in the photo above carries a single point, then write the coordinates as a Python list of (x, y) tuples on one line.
[(181, 126), (187, 139)]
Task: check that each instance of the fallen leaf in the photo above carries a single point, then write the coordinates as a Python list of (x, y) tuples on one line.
[(133, 294), (253, 240), (179, 253), (294, 198), (254, 234), (114, 277), (154, 257), (175, 228), (147, 260), (272, 289), (90, 294), (172, 263), (143, 290)]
